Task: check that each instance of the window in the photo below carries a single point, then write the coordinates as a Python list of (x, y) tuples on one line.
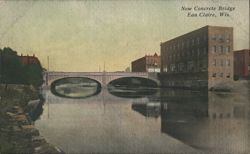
[(214, 49), (220, 49), (220, 38), (205, 51), (221, 62), (181, 67), (198, 52), (214, 37), (193, 52), (214, 62), (221, 74), (228, 75), (165, 69), (190, 53), (198, 40), (172, 67), (204, 65), (190, 66), (227, 38), (214, 75), (198, 65), (227, 49), (192, 41), (227, 62), (205, 37), (182, 54)]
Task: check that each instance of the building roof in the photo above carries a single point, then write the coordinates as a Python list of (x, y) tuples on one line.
[(154, 55), (192, 32), (27, 60)]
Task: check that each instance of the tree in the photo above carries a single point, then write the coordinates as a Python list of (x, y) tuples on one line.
[(11, 67), (12, 71), (33, 74)]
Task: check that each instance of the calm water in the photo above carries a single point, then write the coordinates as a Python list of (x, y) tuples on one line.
[(170, 121)]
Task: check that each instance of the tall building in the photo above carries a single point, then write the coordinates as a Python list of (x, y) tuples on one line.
[(148, 63), (201, 58), (242, 63)]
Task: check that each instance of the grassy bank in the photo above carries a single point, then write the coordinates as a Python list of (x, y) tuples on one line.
[(17, 95), (17, 132)]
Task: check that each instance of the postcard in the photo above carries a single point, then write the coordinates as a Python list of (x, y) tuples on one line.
[(124, 76)]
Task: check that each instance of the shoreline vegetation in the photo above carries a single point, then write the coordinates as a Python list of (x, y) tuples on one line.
[(18, 108), (21, 104)]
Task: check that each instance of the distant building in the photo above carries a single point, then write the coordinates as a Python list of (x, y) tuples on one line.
[(242, 63), (27, 60), (201, 58), (148, 63)]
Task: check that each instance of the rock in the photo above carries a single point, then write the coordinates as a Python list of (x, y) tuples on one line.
[(16, 128), (47, 148), (10, 114), (27, 127), (31, 132), (21, 117), (16, 107), (33, 103), (37, 141)]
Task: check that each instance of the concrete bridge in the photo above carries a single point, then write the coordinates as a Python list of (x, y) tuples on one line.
[(104, 78)]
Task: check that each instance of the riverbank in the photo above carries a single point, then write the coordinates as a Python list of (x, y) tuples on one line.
[(17, 132)]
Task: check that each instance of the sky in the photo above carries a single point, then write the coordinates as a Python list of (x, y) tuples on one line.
[(84, 35)]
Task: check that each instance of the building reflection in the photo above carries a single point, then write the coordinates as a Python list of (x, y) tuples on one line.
[(147, 107), (214, 122)]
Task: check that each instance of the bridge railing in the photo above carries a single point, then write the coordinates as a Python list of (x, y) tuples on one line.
[(98, 73)]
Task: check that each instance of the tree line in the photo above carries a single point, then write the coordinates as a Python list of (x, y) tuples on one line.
[(12, 71)]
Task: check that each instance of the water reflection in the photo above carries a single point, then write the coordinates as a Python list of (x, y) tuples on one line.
[(132, 92), (75, 87), (132, 87), (218, 125), (147, 108), (170, 121)]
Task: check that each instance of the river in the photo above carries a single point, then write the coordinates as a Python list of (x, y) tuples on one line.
[(169, 121)]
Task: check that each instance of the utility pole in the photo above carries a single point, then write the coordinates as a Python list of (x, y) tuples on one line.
[(104, 75), (48, 62), (47, 73), (104, 68)]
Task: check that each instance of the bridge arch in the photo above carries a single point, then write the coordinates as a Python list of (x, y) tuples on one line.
[(64, 78)]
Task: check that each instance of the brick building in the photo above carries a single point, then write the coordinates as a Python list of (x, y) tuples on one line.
[(27, 60), (148, 63), (242, 63), (201, 58)]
